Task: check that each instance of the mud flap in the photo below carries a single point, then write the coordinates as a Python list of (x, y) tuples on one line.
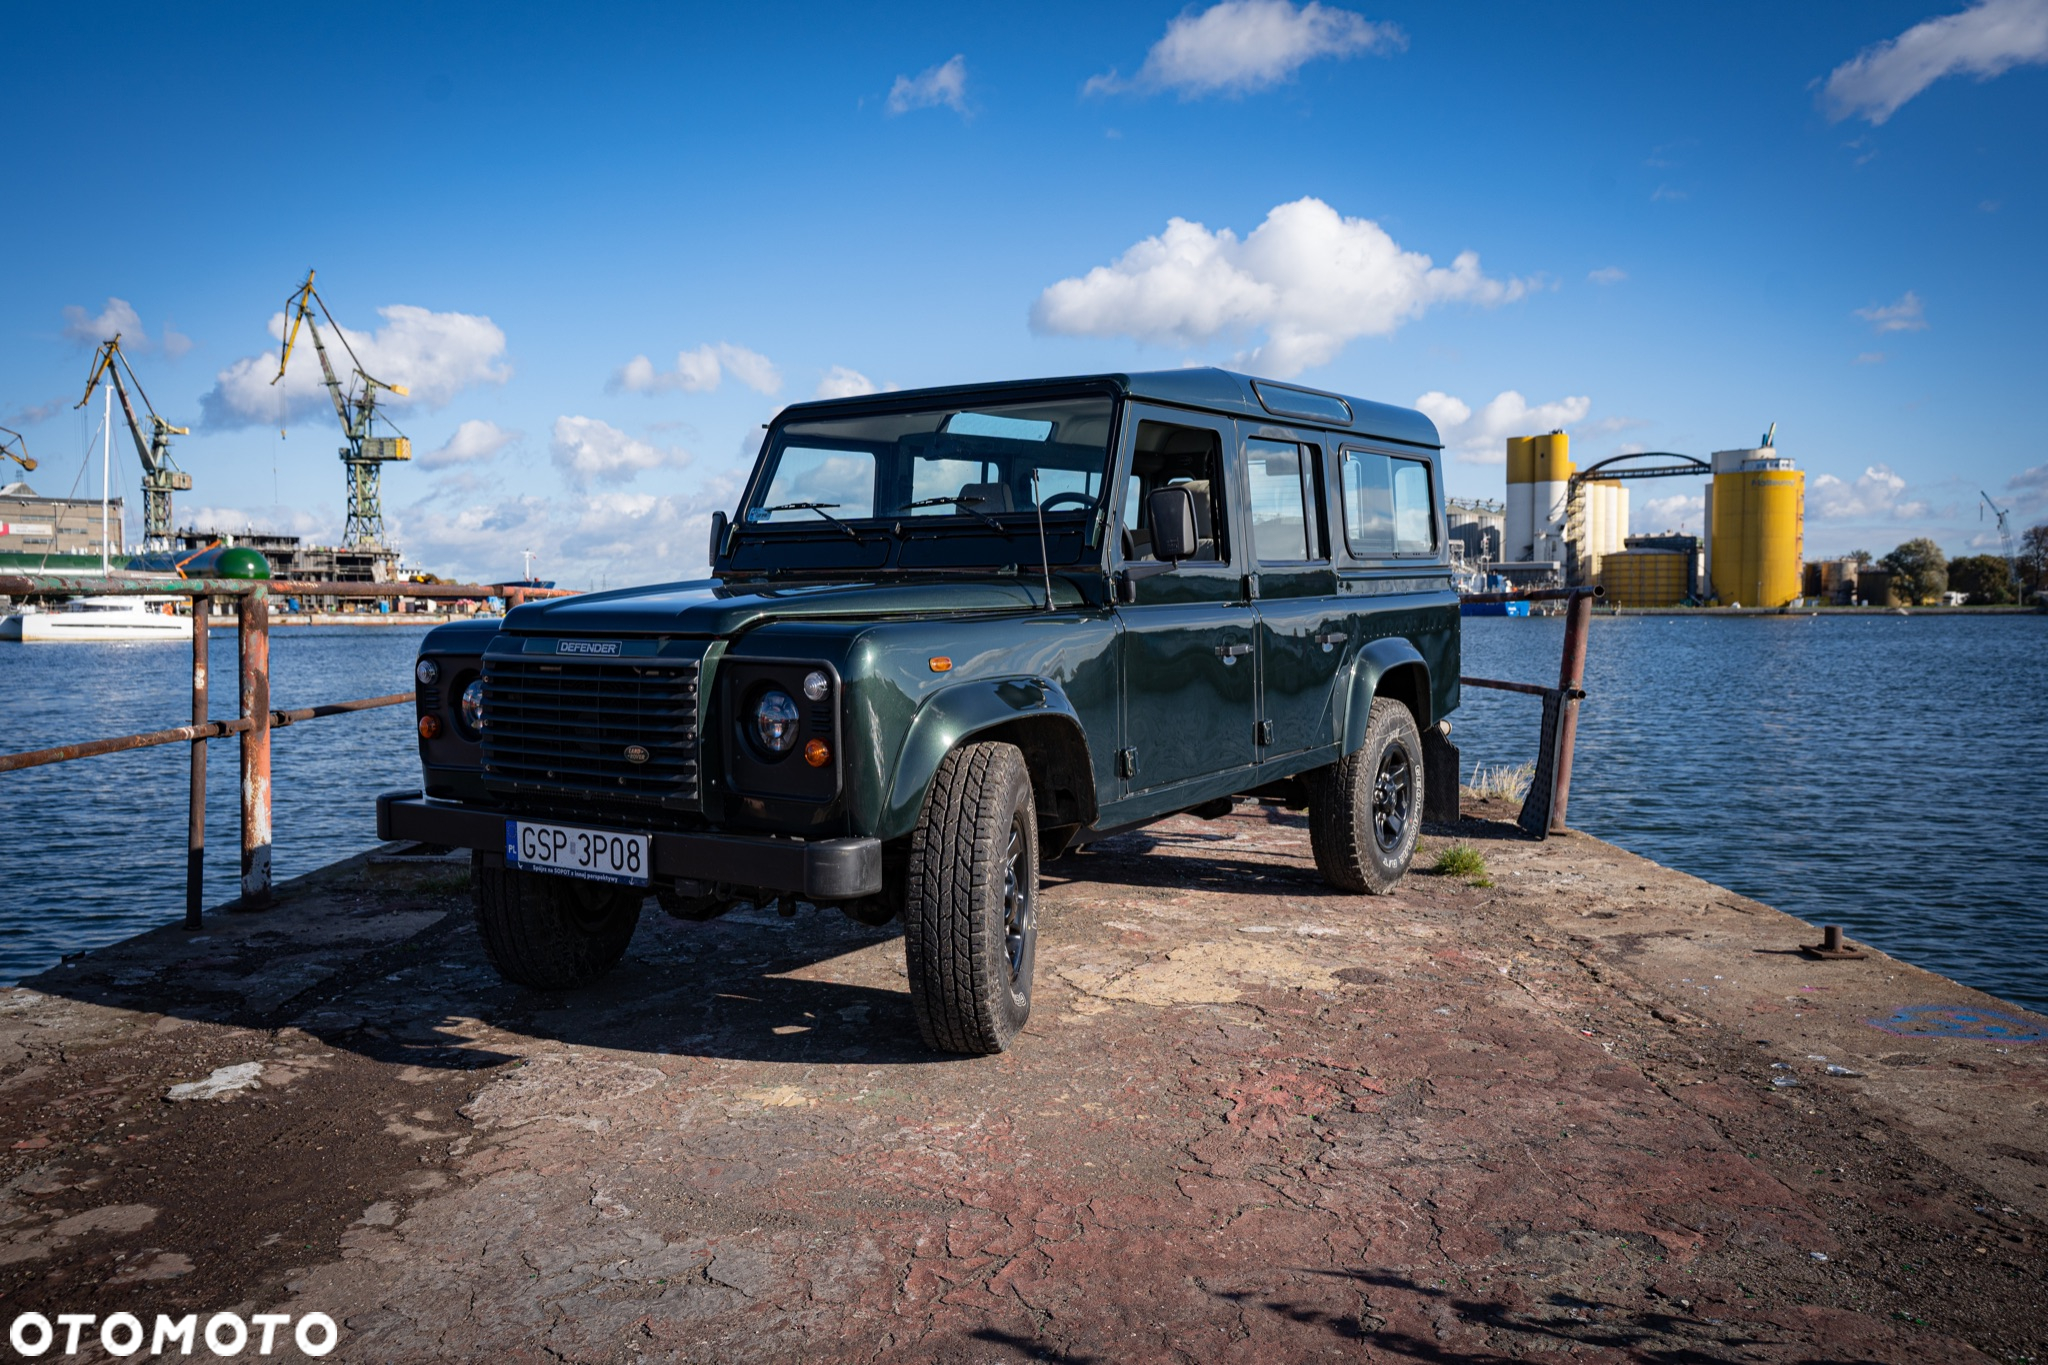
[(1439, 778)]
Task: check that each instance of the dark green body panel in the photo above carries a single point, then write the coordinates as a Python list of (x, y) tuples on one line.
[(1223, 676)]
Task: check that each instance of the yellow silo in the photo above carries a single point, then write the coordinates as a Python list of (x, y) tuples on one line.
[(1517, 529), (1550, 472), (1756, 528)]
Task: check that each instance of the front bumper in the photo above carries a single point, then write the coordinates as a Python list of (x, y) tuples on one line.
[(826, 870)]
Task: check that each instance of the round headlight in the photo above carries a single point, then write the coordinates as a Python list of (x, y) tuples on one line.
[(473, 706), (427, 671), (816, 684), (775, 722)]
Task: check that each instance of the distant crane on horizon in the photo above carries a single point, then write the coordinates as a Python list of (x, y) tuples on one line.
[(365, 455), (160, 474), (2012, 559), (17, 450)]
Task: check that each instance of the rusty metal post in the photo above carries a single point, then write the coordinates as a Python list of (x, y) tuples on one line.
[(195, 827), (252, 636), (1571, 678)]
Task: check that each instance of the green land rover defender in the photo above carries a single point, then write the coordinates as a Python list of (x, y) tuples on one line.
[(950, 633)]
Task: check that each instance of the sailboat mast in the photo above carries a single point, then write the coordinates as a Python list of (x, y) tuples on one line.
[(106, 473)]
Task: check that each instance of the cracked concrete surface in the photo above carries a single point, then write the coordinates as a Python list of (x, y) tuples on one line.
[(1251, 1119)]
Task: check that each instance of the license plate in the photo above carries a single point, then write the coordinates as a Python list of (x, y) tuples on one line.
[(599, 855)]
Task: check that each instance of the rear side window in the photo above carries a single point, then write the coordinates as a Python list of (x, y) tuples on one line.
[(1389, 507), (1280, 501)]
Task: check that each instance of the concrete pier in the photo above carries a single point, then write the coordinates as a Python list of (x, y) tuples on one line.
[(1597, 1108)]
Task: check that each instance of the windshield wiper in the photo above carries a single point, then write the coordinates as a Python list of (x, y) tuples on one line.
[(966, 505), (819, 508)]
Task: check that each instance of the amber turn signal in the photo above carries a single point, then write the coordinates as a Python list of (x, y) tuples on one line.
[(817, 753), (942, 664), (430, 727)]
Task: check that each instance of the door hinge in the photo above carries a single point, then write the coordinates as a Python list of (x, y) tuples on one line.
[(1126, 762), (1264, 731)]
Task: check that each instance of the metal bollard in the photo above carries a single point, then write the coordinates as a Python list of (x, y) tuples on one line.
[(195, 820), (252, 636)]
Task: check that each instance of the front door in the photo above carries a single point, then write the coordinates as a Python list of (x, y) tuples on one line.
[(1188, 664)]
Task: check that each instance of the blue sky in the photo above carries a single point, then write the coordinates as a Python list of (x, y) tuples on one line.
[(605, 244)]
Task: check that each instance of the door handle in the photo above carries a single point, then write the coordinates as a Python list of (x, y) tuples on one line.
[(1229, 652), (1331, 639)]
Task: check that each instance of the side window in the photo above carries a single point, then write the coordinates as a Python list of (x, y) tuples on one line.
[(1283, 502), (1166, 455), (1388, 505), (1414, 509)]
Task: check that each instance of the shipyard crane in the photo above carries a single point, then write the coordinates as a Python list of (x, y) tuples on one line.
[(160, 475), (2012, 559), (365, 454), (16, 449)]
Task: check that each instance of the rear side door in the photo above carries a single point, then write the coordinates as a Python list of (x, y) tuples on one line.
[(1303, 640), (1188, 671)]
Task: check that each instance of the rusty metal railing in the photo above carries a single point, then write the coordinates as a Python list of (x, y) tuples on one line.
[(1550, 790), (255, 719)]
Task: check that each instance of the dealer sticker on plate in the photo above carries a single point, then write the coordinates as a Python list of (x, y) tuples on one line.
[(597, 854)]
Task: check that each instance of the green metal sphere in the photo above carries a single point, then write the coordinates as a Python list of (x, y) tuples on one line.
[(240, 562)]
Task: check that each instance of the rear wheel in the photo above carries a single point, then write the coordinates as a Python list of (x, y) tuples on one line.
[(970, 916), (1365, 811), (551, 932)]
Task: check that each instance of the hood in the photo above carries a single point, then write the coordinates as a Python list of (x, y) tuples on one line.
[(711, 608)]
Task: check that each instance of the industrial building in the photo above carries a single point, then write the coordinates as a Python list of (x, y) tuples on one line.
[(1478, 528), (57, 533), (1571, 526), (290, 558)]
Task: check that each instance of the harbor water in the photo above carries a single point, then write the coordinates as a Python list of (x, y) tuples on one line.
[(1880, 772)]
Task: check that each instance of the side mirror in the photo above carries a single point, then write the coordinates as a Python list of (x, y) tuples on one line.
[(718, 529), (1172, 514)]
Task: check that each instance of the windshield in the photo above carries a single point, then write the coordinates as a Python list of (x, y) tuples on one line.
[(959, 485)]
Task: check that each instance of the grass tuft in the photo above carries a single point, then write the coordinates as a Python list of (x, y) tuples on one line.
[(1463, 860), (1507, 782)]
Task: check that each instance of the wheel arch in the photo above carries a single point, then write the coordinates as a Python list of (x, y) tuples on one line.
[(1031, 713), (1392, 668)]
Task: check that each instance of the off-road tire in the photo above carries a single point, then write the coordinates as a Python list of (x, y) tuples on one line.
[(552, 933), (969, 942), (1360, 843)]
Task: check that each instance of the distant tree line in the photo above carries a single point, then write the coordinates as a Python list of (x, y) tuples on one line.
[(1921, 573)]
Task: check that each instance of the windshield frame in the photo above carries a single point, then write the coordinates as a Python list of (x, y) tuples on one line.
[(829, 542)]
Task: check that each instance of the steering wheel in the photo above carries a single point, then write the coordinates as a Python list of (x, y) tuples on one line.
[(1080, 499)]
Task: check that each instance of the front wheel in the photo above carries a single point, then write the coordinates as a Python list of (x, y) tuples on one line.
[(1365, 810), (551, 932), (970, 913)]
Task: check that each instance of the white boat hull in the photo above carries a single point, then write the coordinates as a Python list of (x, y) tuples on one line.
[(111, 626)]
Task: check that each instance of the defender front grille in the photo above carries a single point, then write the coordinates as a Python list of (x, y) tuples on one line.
[(561, 728)]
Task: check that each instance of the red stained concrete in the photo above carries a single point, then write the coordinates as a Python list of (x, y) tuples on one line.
[(1252, 1120)]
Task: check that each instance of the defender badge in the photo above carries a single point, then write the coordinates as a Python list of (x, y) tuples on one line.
[(637, 753)]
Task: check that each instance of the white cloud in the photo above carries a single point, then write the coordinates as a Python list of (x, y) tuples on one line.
[(1240, 46), (1310, 279), (118, 316), (584, 540), (1684, 512), (2030, 486), (1986, 40), (435, 355), (1877, 494), (840, 382), (586, 450), (474, 442), (943, 84), (316, 528), (1607, 274), (1481, 437), (700, 371), (1869, 358), (1903, 316)]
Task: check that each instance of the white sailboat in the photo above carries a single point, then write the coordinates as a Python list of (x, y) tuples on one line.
[(100, 618)]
